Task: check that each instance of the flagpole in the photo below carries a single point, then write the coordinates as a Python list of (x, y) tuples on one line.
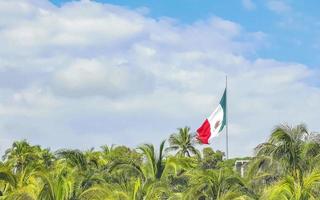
[(227, 139)]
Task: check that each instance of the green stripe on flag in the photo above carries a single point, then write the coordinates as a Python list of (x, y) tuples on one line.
[(223, 104)]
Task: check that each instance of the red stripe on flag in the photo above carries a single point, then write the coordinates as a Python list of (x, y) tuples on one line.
[(204, 132)]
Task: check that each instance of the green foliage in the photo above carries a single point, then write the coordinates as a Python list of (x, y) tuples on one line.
[(284, 167), (183, 143), (211, 159), (123, 154)]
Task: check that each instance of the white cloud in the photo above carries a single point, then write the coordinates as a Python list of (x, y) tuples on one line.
[(94, 73), (278, 6), (94, 77), (248, 4)]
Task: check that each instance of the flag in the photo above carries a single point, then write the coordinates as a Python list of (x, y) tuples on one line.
[(215, 123)]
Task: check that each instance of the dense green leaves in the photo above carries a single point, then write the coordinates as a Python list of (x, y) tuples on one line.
[(183, 143), (284, 167)]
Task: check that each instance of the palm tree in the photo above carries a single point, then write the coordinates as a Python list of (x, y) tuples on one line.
[(261, 172), (47, 159), (21, 155), (311, 154), (183, 143), (57, 185), (9, 179), (74, 158), (88, 169), (107, 149), (21, 185), (285, 145), (101, 192), (289, 151), (154, 165), (304, 188), (216, 184), (151, 182)]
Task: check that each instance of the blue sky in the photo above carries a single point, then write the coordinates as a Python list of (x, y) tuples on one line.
[(293, 35), (82, 74)]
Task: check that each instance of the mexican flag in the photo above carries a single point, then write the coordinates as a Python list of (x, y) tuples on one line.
[(215, 123)]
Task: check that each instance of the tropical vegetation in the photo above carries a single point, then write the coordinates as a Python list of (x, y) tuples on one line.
[(286, 166)]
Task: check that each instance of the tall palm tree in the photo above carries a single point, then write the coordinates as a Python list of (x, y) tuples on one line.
[(285, 145), (21, 155), (183, 143)]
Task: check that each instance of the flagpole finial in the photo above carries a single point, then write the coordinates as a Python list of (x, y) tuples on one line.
[(226, 81)]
